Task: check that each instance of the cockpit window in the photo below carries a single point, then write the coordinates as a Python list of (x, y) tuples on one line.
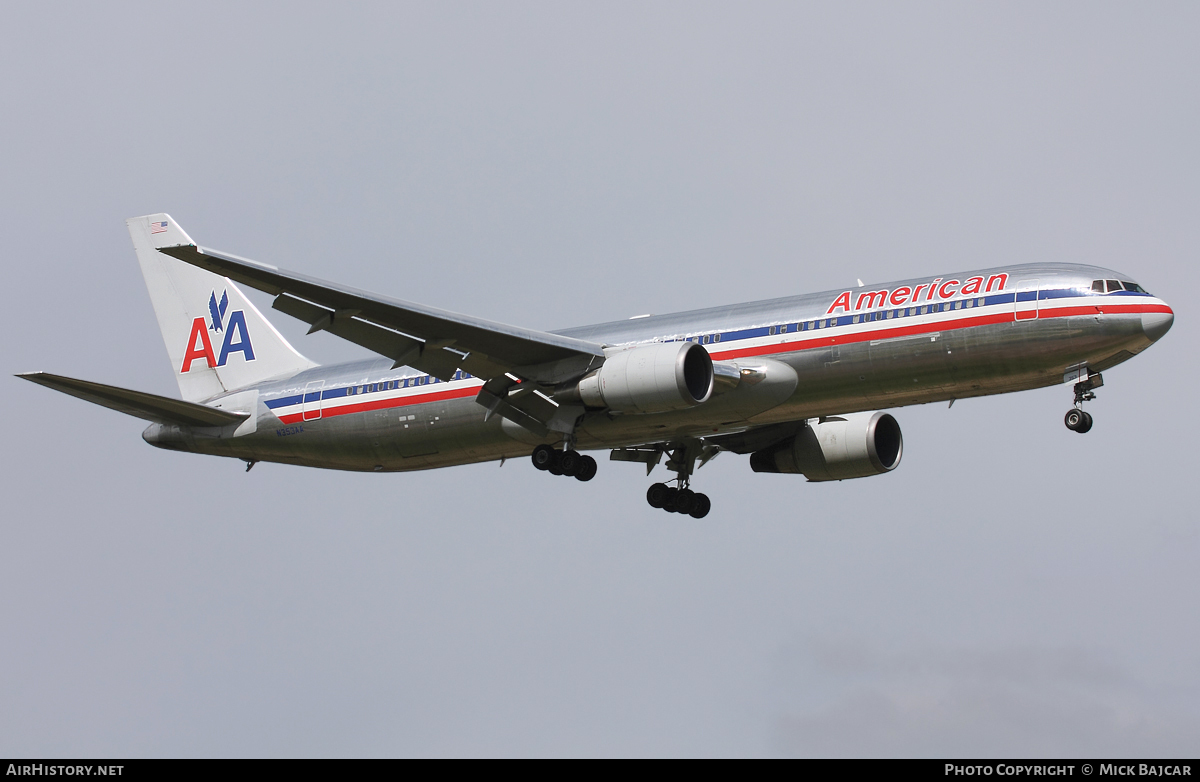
[(1114, 286)]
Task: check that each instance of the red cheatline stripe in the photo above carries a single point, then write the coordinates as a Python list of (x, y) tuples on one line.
[(381, 404)]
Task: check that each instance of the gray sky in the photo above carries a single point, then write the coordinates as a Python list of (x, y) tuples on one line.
[(1012, 589)]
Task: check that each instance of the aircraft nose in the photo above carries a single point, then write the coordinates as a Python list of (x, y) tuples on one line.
[(1155, 324)]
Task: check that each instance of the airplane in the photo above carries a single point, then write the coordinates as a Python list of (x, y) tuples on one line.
[(800, 383)]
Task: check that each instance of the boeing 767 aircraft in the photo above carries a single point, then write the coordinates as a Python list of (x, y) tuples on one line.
[(797, 382)]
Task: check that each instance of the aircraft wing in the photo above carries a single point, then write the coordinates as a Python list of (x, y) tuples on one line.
[(149, 407), (432, 340)]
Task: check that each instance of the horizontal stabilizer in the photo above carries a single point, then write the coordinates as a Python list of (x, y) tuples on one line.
[(151, 407)]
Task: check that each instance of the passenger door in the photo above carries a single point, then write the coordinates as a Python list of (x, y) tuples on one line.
[(1025, 305), (311, 406)]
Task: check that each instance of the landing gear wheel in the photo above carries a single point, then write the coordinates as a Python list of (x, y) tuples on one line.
[(685, 500), (568, 462), (587, 468), (656, 495), (555, 467), (1087, 424), (700, 506), (543, 457), (1076, 419), (669, 504)]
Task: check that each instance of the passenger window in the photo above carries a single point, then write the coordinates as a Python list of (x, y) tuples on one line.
[(770, 331), (717, 338)]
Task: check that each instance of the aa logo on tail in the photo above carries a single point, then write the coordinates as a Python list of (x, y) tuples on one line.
[(236, 339)]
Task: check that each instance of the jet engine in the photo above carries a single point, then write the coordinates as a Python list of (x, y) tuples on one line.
[(649, 379), (836, 448)]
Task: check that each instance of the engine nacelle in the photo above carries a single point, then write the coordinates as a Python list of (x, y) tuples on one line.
[(837, 448), (649, 379)]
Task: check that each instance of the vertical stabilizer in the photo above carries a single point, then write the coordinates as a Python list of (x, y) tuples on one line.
[(217, 340)]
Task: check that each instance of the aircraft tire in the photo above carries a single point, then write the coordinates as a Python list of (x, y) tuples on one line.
[(669, 504), (685, 500), (1087, 424), (568, 462), (587, 468), (701, 506), (543, 457), (1074, 419), (656, 495)]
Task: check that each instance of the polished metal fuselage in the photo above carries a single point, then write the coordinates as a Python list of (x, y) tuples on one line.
[(808, 357)]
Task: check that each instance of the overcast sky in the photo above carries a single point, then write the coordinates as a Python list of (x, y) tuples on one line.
[(1012, 589)]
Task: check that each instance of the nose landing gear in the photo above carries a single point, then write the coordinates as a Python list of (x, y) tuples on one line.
[(1076, 419)]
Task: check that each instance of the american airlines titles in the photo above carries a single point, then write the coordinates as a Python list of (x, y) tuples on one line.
[(921, 293)]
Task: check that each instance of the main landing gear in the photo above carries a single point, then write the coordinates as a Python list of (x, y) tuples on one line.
[(567, 462), (1076, 419), (678, 500)]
